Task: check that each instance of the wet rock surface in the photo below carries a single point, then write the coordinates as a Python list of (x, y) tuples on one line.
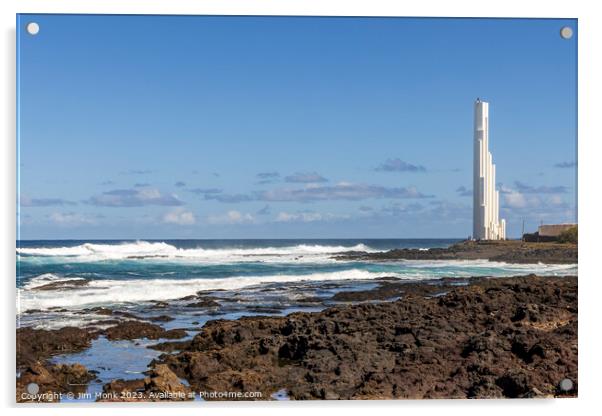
[(48, 380), (160, 384), (503, 337), (507, 251), (63, 285), (35, 345), (203, 303), (137, 329), (161, 318), (170, 346), (394, 288)]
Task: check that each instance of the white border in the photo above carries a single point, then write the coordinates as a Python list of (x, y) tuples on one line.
[(590, 136)]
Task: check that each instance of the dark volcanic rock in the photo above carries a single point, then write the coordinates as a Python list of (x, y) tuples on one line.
[(35, 346), (60, 378), (391, 289), (163, 381), (63, 285), (161, 318), (265, 309), (161, 384), (509, 251), (206, 302), (310, 299), (120, 385), (137, 329), (100, 311), (503, 337), (129, 315), (170, 346), (39, 344)]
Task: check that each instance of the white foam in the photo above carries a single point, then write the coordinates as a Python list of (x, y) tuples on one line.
[(47, 278), (161, 251), (486, 264), (59, 320), (101, 292)]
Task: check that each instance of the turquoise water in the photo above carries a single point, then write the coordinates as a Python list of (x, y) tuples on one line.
[(246, 277), (101, 273)]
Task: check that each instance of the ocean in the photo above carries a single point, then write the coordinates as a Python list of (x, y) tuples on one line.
[(82, 274), (63, 283)]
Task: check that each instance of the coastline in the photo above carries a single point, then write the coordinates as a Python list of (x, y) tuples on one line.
[(509, 251), (478, 338)]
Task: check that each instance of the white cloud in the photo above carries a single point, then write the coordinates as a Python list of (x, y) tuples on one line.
[(72, 219), (231, 217), (307, 216), (26, 201), (299, 217), (542, 189), (134, 198), (179, 217), (515, 199), (398, 165), (556, 200), (305, 177), (340, 191)]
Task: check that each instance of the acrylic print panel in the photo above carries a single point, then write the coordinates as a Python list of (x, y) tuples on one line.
[(304, 208)]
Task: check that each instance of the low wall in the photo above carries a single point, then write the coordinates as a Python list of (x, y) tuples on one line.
[(553, 230)]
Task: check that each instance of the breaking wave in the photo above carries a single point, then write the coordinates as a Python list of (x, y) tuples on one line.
[(46, 279), (148, 250), (143, 290)]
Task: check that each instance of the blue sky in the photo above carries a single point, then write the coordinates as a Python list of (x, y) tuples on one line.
[(288, 127)]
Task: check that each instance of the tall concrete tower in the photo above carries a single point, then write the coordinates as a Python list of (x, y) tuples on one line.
[(486, 205)]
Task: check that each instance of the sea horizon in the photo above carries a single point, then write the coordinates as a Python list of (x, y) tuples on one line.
[(235, 239)]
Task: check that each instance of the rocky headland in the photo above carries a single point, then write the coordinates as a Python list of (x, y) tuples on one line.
[(509, 251)]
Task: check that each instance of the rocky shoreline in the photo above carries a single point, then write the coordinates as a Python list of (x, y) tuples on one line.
[(509, 251), (448, 338)]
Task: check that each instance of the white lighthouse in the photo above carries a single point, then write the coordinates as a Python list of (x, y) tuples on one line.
[(486, 205)]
